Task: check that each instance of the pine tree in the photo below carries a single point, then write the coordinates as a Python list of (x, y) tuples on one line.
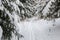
[(6, 21), (53, 10), (24, 9)]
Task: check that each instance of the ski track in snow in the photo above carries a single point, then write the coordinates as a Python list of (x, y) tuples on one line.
[(36, 30), (40, 30)]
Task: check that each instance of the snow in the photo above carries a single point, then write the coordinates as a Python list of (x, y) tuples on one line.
[(46, 9), (0, 32), (37, 29), (40, 30), (34, 29)]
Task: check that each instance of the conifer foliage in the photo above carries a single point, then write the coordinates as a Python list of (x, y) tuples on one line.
[(23, 9), (54, 9)]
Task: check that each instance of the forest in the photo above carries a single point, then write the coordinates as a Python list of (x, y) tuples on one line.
[(29, 19)]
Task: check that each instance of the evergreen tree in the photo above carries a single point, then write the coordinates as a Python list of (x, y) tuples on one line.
[(53, 10), (24, 9), (6, 21)]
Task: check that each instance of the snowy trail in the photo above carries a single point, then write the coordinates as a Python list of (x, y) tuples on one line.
[(40, 30)]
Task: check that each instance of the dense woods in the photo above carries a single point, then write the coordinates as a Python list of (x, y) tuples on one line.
[(25, 9)]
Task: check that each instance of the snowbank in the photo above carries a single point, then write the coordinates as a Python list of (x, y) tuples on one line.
[(40, 30)]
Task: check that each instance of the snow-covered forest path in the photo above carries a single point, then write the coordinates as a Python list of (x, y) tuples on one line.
[(40, 30), (13, 12)]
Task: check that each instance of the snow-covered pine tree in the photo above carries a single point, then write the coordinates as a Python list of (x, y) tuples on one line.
[(54, 9), (9, 9)]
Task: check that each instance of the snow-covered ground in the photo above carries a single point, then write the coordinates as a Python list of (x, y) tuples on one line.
[(35, 29), (40, 30), (0, 33)]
